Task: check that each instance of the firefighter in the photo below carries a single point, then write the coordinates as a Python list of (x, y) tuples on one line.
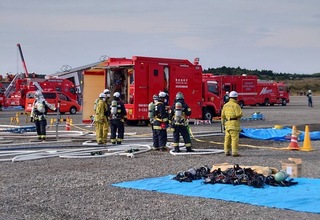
[(38, 114), (160, 124), (118, 115), (107, 114), (179, 122), (230, 119), (108, 96), (151, 115), (100, 119), (309, 95), (226, 97)]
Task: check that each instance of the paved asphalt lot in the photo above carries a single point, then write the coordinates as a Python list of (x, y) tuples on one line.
[(58, 188)]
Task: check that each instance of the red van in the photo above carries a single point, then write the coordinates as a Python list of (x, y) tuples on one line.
[(66, 103)]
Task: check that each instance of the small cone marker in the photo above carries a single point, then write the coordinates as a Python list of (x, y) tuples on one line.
[(68, 124), (306, 143), (294, 139)]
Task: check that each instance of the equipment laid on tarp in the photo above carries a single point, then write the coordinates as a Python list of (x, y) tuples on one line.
[(303, 197)]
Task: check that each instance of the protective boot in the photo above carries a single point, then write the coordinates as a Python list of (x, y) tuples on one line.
[(189, 149), (176, 149)]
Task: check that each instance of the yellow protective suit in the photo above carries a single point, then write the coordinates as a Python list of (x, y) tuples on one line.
[(230, 119), (100, 121)]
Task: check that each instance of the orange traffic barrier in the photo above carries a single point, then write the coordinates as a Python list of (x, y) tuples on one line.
[(68, 127), (294, 139), (307, 143)]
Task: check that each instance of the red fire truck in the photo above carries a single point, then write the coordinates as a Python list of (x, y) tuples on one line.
[(139, 78), (251, 91), (20, 86), (271, 93), (2, 96)]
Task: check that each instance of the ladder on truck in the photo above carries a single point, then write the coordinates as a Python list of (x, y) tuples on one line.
[(37, 85), (12, 86)]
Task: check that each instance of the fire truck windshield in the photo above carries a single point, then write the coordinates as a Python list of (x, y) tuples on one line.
[(213, 87)]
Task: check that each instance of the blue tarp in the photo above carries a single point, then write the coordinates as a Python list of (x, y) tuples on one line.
[(304, 196), (275, 134)]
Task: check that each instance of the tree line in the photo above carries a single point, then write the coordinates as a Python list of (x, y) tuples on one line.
[(261, 74), (298, 83)]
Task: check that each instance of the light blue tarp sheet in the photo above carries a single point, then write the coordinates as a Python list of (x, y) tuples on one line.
[(275, 134), (303, 197)]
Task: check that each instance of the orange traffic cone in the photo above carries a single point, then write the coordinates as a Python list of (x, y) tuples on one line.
[(294, 139), (306, 143), (68, 124)]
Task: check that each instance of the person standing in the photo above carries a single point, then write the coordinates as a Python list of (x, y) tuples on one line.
[(160, 124), (117, 116), (226, 97), (309, 95), (100, 119), (38, 114), (151, 115), (107, 114), (230, 119), (179, 122)]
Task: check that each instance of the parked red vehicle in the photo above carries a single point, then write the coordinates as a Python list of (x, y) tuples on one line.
[(66, 103), (2, 96), (251, 91), (139, 78)]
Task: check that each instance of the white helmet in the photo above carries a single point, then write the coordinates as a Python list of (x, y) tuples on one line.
[(233, 94), (38, 93), (309, 91), (162, 94), (107, 92), (116, 94), (102, 95), (227, 93)]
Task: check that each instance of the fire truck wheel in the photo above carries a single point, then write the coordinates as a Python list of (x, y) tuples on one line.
[(266, 102), (207, 114), (73, 110), (284, 102)]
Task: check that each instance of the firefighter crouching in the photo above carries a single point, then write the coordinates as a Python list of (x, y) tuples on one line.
[(230, 119), (117, 116), (179, 122), (38, 114), (160, 124), (100, 119)]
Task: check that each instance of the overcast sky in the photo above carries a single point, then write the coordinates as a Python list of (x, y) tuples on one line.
[(278, 35)]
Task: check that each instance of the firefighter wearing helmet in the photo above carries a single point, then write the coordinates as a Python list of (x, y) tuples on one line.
[(38, 114), (151, 113), (309, 95), (117, 116), (160, 123), (178, 114), (226, 97), (107, 113), (100, 119), (230, 119)]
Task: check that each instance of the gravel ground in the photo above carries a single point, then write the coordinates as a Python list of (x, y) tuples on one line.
[(57, 188)]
